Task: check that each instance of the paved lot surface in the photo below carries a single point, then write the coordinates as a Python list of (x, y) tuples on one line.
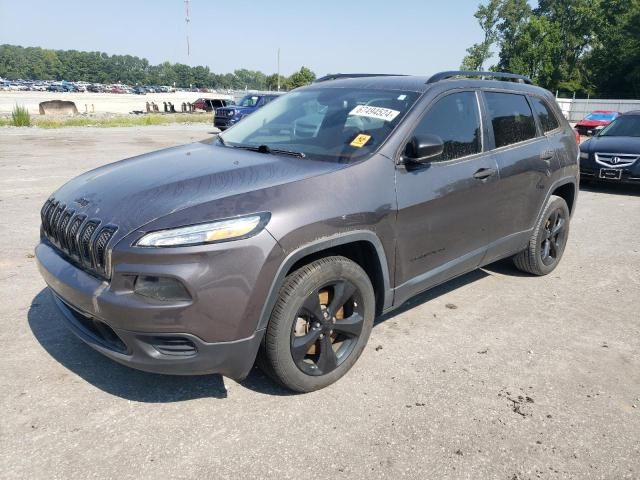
[(494, 375)]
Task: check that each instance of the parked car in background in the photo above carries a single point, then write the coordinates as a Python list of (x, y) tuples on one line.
[(597, 118), (192, 259), (210, 104), (228, 116), (613, 154), (56, 87)]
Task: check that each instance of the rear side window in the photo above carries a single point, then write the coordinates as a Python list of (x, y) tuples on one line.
[(511, 118), (548, 120), (456, 120)]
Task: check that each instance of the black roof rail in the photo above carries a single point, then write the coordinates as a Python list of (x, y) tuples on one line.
[(471, 73), (336, 76)]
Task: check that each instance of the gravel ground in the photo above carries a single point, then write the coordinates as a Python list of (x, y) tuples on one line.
[(493, 375)]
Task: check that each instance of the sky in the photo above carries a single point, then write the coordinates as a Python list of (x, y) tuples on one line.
[(328, 36)]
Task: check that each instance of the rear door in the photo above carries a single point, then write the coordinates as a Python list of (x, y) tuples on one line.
[(444, 207), (525, 161)]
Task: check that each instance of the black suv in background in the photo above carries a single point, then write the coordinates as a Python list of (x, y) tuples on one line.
[(288, 234), (613, 154)]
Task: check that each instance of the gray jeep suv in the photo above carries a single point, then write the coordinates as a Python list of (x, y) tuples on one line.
[(284, 237)]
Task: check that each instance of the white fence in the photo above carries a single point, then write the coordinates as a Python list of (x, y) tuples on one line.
[(576, 109)]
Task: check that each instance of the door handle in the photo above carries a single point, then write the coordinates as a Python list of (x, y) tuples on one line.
[(484, 173), (547, 155)]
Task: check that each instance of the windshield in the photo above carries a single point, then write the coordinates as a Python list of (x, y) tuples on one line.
[(324, 123), (623, 126), (601, 117), (248, 101)]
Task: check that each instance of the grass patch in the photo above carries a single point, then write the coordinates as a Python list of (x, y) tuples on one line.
[(116, 121), (20, 117)]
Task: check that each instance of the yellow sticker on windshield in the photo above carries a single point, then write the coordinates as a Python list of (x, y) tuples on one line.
[(360, 141)]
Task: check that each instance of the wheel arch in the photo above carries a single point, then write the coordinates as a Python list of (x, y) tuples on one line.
[(567, 191), (362, 247)]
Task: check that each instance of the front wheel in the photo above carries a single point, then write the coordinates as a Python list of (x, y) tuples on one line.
[(548, 241), (319, 325)]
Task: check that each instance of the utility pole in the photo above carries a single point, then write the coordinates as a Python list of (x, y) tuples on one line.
[(187, 19), (278, 74)]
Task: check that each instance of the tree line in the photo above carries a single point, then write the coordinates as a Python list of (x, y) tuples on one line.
[(35, 63), (591, 47)]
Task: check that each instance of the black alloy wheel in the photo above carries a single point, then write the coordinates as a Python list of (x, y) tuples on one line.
[(327, 327)]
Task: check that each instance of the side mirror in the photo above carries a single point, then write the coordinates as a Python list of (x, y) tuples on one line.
[(423, 148)]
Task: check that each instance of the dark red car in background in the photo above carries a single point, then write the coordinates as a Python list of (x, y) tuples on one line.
[(597, 118), (209, 104)]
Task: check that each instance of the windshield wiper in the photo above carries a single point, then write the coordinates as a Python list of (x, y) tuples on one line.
[(268, 149)]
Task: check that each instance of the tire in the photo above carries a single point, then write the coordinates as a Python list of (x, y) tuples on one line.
[(548, 241), (320, 324)]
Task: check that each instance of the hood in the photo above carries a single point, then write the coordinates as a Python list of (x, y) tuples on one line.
[(136, 191), (593, 123), (612, 145)]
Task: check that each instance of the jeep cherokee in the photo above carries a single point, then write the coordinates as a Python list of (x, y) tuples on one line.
[(284, 237)]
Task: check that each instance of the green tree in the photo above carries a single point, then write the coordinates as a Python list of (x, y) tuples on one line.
[(479, 53), (302, 77), (272, 82), (614, 61)]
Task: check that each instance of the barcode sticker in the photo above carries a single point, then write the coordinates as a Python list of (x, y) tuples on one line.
[(380, 113)]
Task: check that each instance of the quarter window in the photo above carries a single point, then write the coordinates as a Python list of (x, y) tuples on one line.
[(511, 118), (548, 120), (456, 120)]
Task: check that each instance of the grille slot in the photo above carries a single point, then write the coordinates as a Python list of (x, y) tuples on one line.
[(55, 219), (84, 242), (72, 234), (49, 217), (62, 229), (81, 240), (100, 247)]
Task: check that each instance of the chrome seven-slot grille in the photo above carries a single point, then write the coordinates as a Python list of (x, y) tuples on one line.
[(83, 241)]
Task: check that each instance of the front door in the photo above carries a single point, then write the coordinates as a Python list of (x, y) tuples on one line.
[(445, 207)]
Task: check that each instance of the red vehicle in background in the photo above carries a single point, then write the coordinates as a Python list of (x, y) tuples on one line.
[(597, 118)]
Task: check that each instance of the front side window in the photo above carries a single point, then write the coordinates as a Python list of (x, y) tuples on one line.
[(511, 118), (547, 119), (456, 120), (248, 101), (335, 124)]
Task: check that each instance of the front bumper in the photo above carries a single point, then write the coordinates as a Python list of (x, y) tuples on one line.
[(590, 170), (174, 354), (224, 122), (215, 332)]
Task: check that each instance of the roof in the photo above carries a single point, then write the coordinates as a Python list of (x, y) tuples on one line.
[(417, 83), (632, 112)]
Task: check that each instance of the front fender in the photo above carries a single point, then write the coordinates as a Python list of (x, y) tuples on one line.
[(319, 245)]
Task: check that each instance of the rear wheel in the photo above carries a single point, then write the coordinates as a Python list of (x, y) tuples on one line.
[(319, 325), (548, 241)]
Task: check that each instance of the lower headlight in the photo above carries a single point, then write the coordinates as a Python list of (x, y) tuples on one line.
[(584, 155), (220, 231)]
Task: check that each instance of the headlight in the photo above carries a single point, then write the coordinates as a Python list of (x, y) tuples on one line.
[(231, 113), (220, 231), (584, 155)]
